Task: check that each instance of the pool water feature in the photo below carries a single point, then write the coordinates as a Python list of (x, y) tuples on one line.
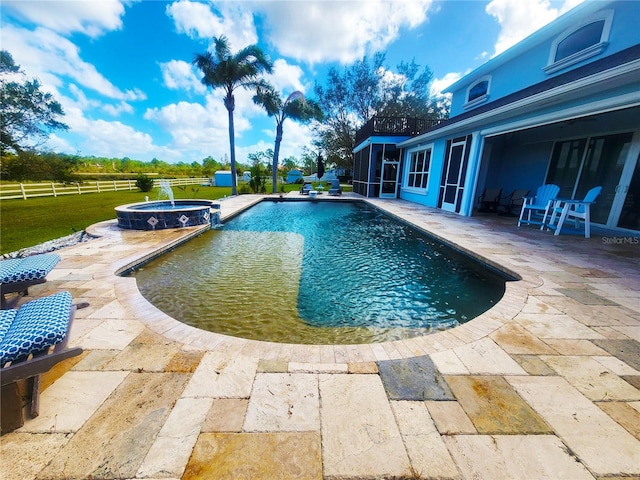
[(318, 273), (171, 213)]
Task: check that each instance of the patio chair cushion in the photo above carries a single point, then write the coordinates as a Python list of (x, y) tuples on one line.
[(6, 319), (36, 326), (28, 268)]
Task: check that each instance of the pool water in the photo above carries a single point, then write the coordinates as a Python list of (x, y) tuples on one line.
[(318, 273)]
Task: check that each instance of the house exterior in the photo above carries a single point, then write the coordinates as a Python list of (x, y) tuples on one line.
[(562, 106)]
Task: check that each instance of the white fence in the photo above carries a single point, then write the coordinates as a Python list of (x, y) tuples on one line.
[(53, 189)]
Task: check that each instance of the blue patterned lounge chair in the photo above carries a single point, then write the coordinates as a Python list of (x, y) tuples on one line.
[(33, 339), (18, 274)]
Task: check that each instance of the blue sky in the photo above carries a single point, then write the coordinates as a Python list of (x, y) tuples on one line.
[(122, 69)]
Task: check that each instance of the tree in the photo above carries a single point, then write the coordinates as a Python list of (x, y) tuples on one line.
[(295, 107), (27, 114), (31, 165), (365, 89), (210, 166), (230, 71)]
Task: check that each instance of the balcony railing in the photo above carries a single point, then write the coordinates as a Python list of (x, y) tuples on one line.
[(394, 126)]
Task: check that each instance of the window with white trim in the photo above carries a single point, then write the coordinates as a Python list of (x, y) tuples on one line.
[(583, 41), (478, 92), (417, 176)]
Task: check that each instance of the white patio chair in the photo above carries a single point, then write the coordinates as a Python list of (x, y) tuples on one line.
[(576, 210)]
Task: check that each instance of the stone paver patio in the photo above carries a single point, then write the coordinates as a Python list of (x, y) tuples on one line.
[(545, 385)]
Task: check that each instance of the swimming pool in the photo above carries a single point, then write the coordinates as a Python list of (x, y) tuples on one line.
[(318, 273)]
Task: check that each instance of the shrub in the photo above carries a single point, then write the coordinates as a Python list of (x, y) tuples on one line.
[(144, 182)]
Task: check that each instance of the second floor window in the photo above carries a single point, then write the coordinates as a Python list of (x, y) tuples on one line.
[(579, 40), (478, 92)]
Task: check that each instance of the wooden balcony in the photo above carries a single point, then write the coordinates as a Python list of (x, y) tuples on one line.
[(394, 126)]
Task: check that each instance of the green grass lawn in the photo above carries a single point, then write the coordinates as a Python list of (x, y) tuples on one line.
[(25, 223)]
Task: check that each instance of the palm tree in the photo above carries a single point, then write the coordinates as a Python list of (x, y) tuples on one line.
[(295, 107), (230, 71)]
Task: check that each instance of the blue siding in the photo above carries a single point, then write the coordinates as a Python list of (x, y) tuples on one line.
[(529, 64), (435, 173)]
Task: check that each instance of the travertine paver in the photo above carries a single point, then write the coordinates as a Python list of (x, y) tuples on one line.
[(428, 454), (256, 456), (178, 436), (29, 453), (615, 365), (533, 365), (111, 334), (283, 402), (623, 413), (226, 415), (449, 417), (413, 379), (585, 297), (486, 357), (566, 346), (624, 349), (222, 376), (359, 434), (69, 402), (449, 363), (591, 378), (115, 440), (494, 407), (516, 340), (509, 457), (555, 326), (599, 442)]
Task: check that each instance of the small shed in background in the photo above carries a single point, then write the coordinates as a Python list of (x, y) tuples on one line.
[(223, 178)]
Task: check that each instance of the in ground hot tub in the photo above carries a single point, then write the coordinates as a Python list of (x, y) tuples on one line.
[(159, 215)]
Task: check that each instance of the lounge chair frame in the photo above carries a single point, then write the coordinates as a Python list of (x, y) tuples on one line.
[(489, 200)]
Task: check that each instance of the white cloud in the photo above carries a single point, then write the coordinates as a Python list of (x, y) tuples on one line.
[(286, 78), (101, 137), (439, 84), (92, 18), (198, 20), (180, 75), (118, 108), (194, 126), (518, 18), (337, 31), (46, 55)]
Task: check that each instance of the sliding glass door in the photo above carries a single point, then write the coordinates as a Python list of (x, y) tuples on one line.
[(609, 161)]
